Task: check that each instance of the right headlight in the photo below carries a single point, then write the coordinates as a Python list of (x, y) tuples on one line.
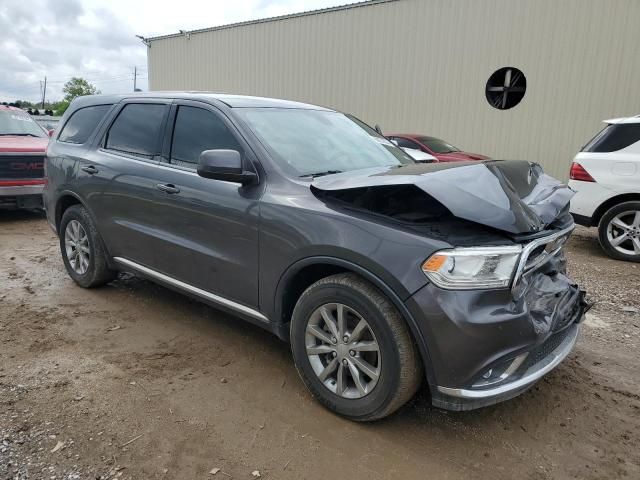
[(473, 268)]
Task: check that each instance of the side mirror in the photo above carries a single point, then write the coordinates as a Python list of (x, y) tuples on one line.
[(51, 131), (378, 129), (224, 165)]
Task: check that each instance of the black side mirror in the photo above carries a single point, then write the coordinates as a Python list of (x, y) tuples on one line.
[(378, 129), (224, 165)]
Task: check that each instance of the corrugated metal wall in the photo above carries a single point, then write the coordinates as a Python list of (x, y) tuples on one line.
[(422, 65)]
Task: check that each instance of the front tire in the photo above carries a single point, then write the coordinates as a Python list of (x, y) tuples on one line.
[(353, 349), (619, 231), (83, 253)]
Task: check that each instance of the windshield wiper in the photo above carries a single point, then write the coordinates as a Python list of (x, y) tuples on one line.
[(321, 174), (18, 134)]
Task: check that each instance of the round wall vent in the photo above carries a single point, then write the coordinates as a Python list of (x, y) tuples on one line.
[(506, 88)]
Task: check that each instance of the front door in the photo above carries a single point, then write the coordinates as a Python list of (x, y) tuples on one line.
[(206, 231)]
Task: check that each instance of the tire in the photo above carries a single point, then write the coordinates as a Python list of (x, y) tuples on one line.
[(611, 228), (94, 271), (396, 362)]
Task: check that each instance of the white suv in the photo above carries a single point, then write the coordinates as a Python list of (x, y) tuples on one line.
[(606, 175)]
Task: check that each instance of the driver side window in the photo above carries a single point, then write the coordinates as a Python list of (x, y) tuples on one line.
[(196, 130)]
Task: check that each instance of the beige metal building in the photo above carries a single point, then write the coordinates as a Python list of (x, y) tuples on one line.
[(422, 66)]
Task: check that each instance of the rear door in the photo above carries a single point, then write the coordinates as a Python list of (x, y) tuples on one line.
[(205, 231), (124, 174)]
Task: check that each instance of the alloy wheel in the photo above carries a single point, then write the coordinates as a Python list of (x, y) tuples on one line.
[(77, 247), (343, 351), (623, 232)]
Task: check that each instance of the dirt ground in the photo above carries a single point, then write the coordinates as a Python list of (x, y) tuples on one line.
[(135, 381)]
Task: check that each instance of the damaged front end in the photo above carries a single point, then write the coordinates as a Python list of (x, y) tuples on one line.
[(499, 311)]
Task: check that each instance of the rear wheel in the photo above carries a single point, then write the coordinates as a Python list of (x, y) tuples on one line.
[(353, 349), (82, 250), (619, 231)]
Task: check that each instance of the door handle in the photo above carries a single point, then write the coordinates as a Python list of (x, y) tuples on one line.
[(90, 169), (167, 188)]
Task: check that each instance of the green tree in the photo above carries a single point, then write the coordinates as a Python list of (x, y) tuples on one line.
[(59, 107), (76, 87)]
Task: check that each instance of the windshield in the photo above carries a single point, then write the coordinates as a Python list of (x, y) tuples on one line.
[(16, 123), (437, 145), (313, 142)]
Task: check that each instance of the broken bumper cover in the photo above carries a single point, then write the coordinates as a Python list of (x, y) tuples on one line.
[(486, 346), (469, 399)]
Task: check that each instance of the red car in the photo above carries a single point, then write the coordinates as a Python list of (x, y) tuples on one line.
[(23, 144), (443, 151)]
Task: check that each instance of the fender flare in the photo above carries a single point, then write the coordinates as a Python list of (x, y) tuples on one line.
[(81, 201), (296, 267)]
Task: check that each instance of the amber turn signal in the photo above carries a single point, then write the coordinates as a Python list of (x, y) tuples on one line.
[(434, 263)]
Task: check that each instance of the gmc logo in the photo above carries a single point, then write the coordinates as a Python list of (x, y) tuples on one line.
[(26, 166)]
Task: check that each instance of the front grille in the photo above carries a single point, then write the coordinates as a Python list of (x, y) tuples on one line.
[(537, 252), (21, 167)]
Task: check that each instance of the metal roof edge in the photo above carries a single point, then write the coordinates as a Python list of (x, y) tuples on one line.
[(319, 11)]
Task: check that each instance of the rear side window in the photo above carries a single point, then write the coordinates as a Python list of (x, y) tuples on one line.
[(137, 129), (197, 130), (82, 123), (614, 137)]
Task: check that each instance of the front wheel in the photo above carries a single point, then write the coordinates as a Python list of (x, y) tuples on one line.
[(619, 231), (353, 349)]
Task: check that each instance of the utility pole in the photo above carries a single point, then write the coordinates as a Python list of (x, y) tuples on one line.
[(44, 92), (135, 77)]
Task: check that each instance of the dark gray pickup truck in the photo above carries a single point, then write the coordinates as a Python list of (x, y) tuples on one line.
[(381, 272)]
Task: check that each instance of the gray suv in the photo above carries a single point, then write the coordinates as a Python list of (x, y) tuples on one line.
[(381, 272)]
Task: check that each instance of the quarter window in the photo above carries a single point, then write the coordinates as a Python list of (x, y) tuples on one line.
[(614, 137), (82, 123), (197, 130), (137, 129)]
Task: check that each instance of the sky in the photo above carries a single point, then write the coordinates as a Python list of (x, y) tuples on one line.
[(96, 39)]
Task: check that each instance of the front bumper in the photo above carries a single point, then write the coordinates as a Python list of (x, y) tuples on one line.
[(486, 346), (21, 196), (20, 190), (468, 399)]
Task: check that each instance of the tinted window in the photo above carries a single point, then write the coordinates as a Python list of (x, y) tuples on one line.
[(404, 143), (197, 130), (82, 123), (438, 146), (614, 137), (137, 129)]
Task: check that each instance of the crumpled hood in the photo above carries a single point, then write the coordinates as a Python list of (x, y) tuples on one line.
[(510, 195)]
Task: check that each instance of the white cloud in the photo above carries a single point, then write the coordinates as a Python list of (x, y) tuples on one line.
[(96, 39)]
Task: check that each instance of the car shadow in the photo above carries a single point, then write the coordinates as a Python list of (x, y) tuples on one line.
[(7, 216)]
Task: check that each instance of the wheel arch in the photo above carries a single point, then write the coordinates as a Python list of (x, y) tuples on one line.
[(612, 202), (299, 276), (65, 200)]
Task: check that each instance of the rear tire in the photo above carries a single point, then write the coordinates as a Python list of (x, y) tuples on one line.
[(619, 231), (377, 365), (83, 252)]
